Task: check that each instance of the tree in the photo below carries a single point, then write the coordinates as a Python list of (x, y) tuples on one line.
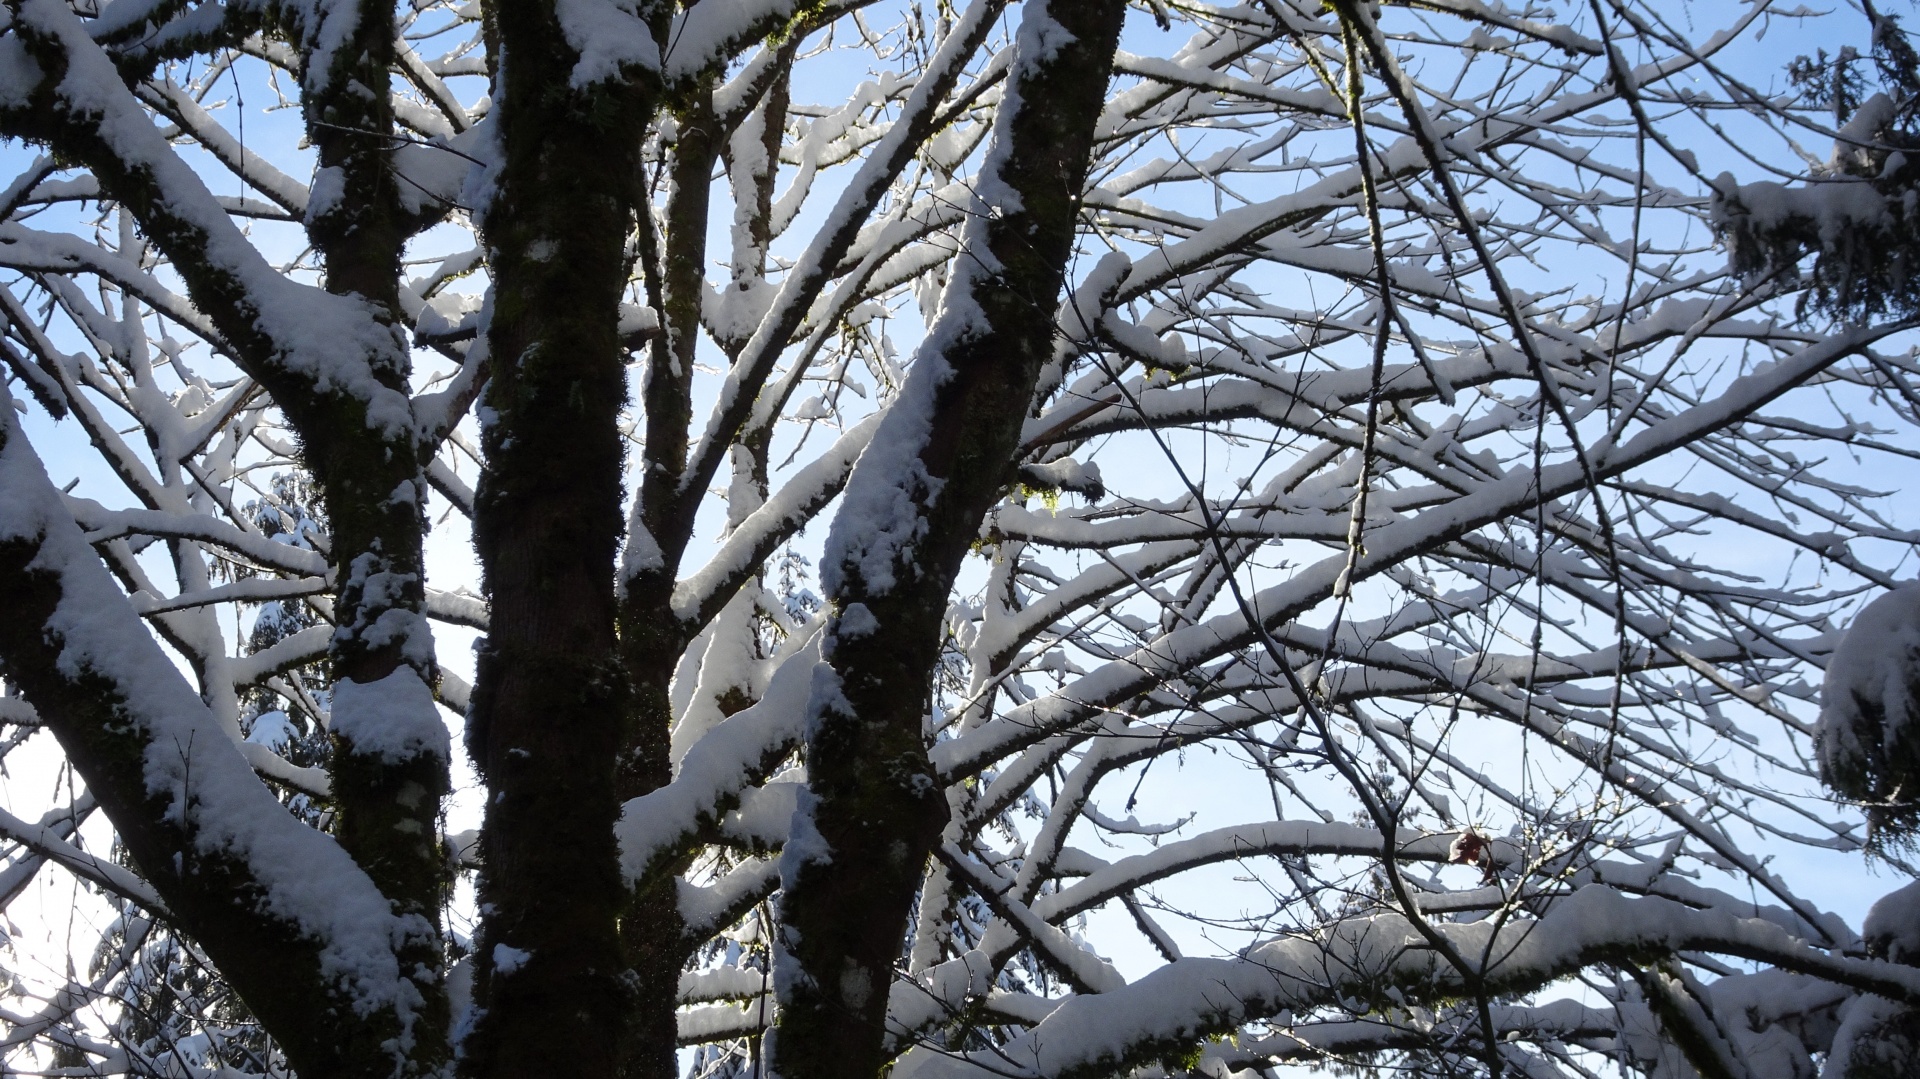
[(1255, 434), (1854, 224)]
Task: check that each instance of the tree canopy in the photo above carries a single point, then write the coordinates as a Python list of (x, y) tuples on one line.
[(1036, 540)]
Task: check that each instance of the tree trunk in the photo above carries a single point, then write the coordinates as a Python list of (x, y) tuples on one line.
[(273, 959), (374, 489), (876, 804), (547, 716)]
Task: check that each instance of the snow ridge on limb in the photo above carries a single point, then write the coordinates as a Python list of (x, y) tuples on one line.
[(944, 453), (50, 842), (703, 36), (291, 335), (104, 525), (811, 272), (718, 767), (207, 833), (1245, 841), (1165, 1014), (31, 250), (1387, 546), (938, 991), (698, 596), (612, 38), (175, 102)]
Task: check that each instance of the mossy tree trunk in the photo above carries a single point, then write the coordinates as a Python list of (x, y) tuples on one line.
[(548, 715), (876, 804)]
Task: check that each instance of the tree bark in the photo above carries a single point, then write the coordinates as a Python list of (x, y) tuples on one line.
[(876, 804), (371, 474), (275, 962), (373, 484), (546, 722)]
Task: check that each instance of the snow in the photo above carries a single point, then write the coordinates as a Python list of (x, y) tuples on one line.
[(643, 553), (728, 664), (507, 959), (18, 712), (707, 910), (722, 983), (490, 149), (1892, 927), (272, 730), (706, 34), (1246, 840), (50, 840), (1387, 546), (326, 192), (813, 270), (716, 767), (736, 309), (637, 318), (325, 27), (1137, 598), (715, 1022), (459, 996), (1088, 972), (881, 516), (1188, 999), (305, 879), (1868, 700), (793, 504), (609, 37), (805, 845), (856, 620), (327, 340), (394, 719), (766, 812), (20, 73), (120, 15), (433, 174), (300, 648), (313, 781), (1836, 207), (1065, 474)]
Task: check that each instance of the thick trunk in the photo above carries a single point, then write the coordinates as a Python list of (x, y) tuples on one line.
[(546, 722), (877, 806), (387, 790)]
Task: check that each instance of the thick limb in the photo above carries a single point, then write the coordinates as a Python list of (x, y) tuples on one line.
[(913, 506)]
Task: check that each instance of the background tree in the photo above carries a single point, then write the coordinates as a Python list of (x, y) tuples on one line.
[(1327, 431), (1850, 232)]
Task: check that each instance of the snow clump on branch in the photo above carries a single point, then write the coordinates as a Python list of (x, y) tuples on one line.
[(1868, 745)]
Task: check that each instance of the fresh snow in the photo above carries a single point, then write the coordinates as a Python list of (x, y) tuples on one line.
[(394, 719), (305, 879), (1869, 696)]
